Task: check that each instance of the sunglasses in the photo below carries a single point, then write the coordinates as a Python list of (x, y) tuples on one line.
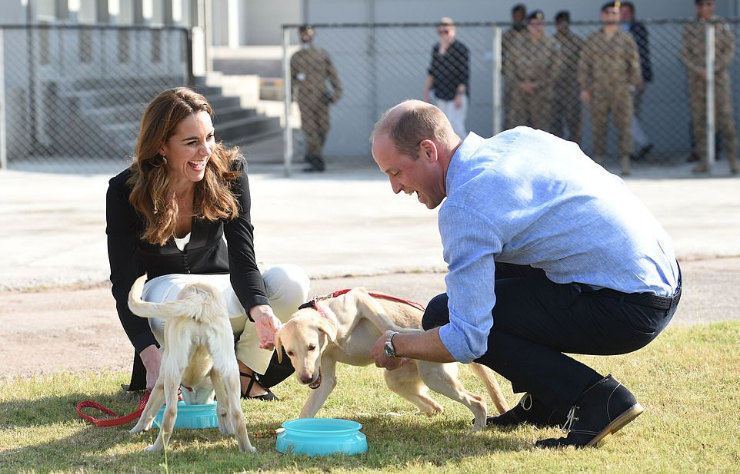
[(443, 32)]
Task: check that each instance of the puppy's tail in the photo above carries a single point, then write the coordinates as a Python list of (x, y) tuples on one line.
[(146, 309), (487, 376)]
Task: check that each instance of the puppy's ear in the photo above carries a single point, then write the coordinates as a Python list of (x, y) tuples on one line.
[(279, 347), (328, 327)]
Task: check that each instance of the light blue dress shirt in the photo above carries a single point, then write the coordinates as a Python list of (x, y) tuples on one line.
[(529, 198)]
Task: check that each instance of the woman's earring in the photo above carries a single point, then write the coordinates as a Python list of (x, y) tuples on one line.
[(164, 159)]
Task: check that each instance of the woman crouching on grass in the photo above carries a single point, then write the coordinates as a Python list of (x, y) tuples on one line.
[(181, 213)]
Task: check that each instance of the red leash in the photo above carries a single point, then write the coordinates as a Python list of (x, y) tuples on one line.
[(416, 305), (313, 302), (114, 421)]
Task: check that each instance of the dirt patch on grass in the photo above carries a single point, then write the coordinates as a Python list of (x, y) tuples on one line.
[(77, 328)]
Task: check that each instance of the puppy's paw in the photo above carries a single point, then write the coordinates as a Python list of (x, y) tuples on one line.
[(153, 448), (478, 426), (137, 429)]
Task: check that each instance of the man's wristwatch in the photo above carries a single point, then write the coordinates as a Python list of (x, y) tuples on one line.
[(390, 351)]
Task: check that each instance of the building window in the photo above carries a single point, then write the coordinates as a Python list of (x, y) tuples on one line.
[(86, 42), (124, 46), (156, 46), (44, 51)]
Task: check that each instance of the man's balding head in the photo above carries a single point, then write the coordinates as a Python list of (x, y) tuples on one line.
[(412, 121), (413, 144)]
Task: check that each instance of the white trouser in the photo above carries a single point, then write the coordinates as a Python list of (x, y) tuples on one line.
[(455, 115), (286, 286), (639, 138)]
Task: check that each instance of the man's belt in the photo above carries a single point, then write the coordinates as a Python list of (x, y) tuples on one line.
[(643, 299)]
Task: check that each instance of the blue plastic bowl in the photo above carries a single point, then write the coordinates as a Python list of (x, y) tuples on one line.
[(321, 437), (192, 416)]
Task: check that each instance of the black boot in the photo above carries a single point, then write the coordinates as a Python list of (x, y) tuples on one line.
[(603, 408), (527, 411), (316, 164)]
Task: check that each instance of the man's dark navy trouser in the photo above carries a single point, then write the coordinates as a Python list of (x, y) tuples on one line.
[(536, 320)]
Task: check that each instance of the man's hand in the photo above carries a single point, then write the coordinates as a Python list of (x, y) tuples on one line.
[(527, 87), (458, 101), (152, 359), (378, 353), (266, 324)]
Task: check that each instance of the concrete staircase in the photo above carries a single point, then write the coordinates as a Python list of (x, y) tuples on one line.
[(108, 113), (236, 123)]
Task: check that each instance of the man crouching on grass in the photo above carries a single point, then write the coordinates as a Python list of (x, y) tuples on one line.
[(547, 253)]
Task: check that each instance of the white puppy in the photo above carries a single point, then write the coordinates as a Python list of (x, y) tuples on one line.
[(344, 328), (199, 345)]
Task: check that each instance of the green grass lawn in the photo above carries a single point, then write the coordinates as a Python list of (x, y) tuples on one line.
[(688, 380)]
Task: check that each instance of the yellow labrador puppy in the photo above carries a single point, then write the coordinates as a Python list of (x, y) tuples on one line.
[(343, 328), (198, 346)]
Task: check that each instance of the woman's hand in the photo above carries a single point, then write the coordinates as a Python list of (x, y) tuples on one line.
[(152, 359), (266, 324)]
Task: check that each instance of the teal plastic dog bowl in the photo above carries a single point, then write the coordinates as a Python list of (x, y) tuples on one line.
[(321, 437), (192, 416)]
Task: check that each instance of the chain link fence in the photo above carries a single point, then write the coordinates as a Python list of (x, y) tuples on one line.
[(380, 65), (72, 97)]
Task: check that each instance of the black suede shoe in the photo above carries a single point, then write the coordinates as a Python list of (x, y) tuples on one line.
[(527, 411), (316, 164), (603, 408)]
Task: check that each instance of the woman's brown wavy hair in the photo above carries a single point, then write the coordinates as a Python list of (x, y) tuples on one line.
[(151, 195)]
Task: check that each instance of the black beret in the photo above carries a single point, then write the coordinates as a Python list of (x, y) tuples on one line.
[(611, 5), (536, 15), (562, 15)]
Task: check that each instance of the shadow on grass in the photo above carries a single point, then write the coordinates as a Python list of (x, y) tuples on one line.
[(50, 410), (414, 440)]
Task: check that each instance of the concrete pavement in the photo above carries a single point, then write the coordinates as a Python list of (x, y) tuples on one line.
[(344, 222)]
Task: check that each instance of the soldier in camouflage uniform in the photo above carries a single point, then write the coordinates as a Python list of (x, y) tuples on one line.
[(533, 71), (310, 69), (608, 71), (566, 106), (693, 55), (510, 48)]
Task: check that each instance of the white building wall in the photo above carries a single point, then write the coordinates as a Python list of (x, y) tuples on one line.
[(391, 11), (260, 21), (262, 25)]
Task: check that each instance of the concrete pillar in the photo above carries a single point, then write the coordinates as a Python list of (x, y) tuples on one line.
[(68, 10), (167, 17), (234, 22), (106, 11), (200, 29), (176, 13), (143, 12)]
